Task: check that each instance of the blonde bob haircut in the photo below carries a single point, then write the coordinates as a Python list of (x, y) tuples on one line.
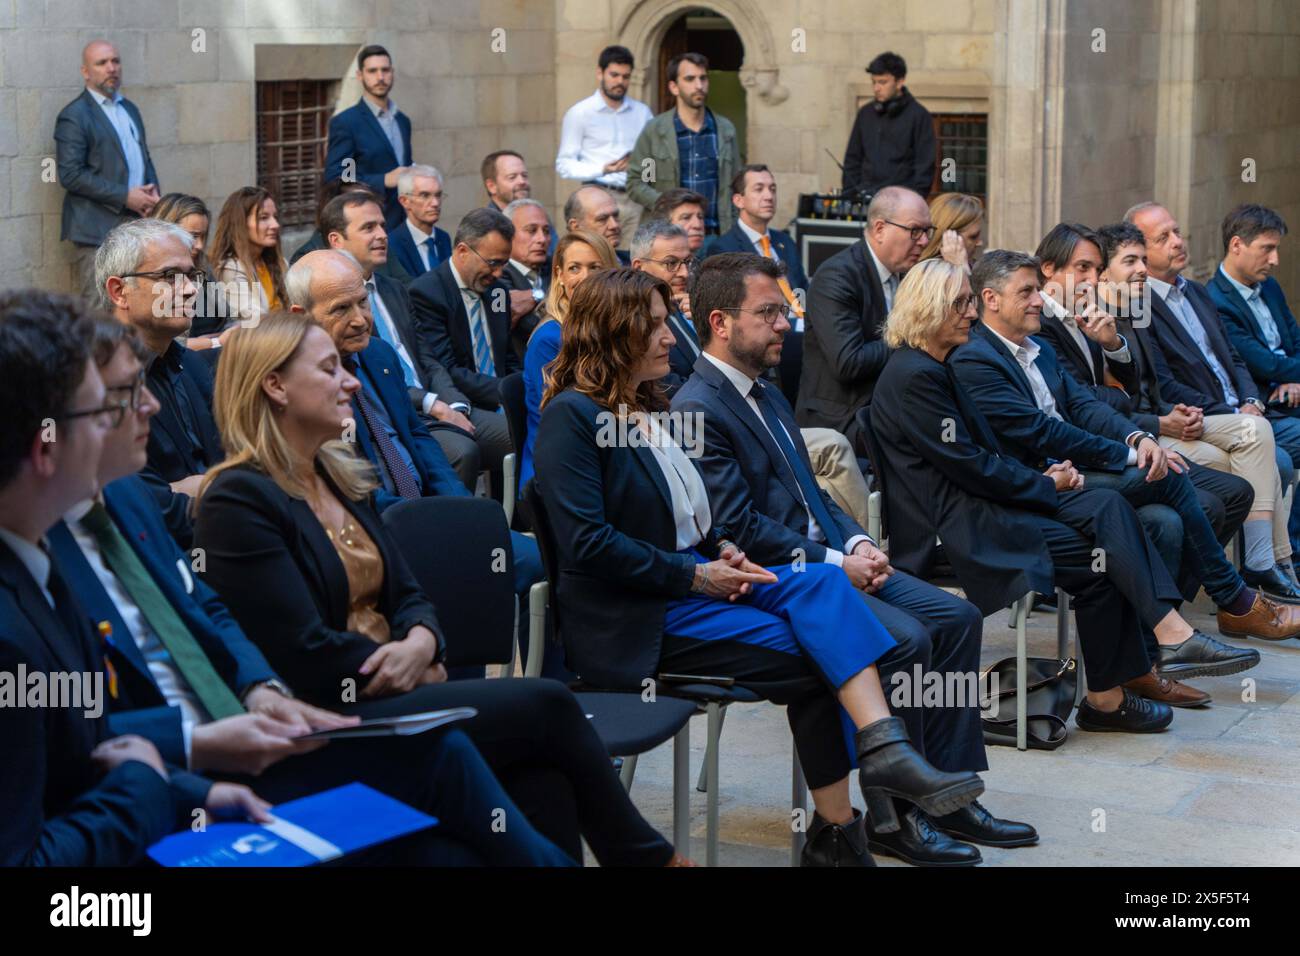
[(953, 211), (250, 431), (922, 303)]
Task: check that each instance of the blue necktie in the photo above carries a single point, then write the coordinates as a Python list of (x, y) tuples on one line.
[(812, 494), (408, 370), (430, 253), (482, 346)]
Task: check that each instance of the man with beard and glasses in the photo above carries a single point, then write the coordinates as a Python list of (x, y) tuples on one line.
[(598, 134), (374, 135)]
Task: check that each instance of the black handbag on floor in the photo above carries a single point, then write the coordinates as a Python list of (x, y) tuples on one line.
[(1050, 687)]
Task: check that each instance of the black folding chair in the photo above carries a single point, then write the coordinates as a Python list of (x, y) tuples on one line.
[(711, 697), (514, 405), (471, 587), (945, 578)]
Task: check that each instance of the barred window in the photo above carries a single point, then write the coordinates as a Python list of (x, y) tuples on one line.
[(292, 129), (963, 137)]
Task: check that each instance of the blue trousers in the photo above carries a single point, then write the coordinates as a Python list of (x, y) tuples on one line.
[(810, 623), (1286, 436)]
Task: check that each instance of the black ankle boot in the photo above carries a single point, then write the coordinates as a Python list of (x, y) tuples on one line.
[(830, 844), (890, 767)]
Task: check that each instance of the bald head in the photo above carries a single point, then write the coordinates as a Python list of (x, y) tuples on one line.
[(329, 286), (1166, 248), (894, 217), (101, 67), (594, 209)]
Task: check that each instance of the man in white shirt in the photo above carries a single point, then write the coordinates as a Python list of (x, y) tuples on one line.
[(598, 134)]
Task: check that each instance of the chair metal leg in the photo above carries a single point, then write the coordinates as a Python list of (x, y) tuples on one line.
[(715, 711), (798, 802), (628, 772), (702, 784), (510, 481), (1021, 611), (874, 505), (1062, 623), (538, 598), (682, 790)]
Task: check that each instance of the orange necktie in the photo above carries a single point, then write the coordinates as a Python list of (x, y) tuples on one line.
[(791, 299)]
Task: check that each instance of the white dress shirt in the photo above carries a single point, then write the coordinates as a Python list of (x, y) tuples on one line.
[(595, 134), (691, 512), (888, 281), (744, 385), (469, 296), (34, 559), (173, 685), (1255, 302), (1055, 309), (127, 135), (423, 241), (1174, 297)]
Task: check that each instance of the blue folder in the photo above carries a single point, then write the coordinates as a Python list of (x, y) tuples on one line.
[(310, 830)]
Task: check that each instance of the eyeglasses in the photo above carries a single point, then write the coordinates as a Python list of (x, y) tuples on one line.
[(111, 413), (769, 313), (131, 400), (490, 263), (169, 276), (965, 302), (916, 233), (672, 265)]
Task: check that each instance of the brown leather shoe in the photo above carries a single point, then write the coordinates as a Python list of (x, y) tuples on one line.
[(1267, 619), (1168, 691)]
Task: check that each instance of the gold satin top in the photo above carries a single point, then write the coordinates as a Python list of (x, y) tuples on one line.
[(365, 569)]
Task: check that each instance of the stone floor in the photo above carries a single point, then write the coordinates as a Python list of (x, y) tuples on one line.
[(1220, 787)]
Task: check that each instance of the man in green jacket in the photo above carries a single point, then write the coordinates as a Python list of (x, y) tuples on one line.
[(687, 146)]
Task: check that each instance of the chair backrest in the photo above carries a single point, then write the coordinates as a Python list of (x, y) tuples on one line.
[(459, 551), (514, 405), (546, 545), (867, 439)]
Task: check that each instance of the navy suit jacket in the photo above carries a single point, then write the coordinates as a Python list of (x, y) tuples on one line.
[(1072, 357), (735, 240), (1267, 368), (682, 356), (355, 134), (1187, 376), (752, 488), (612, 516), (402, 248), (92, 169), (56, 809), (440, 314), (437, 477), (140, 707), (1092, 433)]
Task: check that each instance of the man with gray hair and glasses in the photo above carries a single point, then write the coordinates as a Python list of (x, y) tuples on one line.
[(418, 244), (146, 278)]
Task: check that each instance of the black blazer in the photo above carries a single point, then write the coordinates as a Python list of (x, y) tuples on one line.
[(419, 347), (1092, 433), (441, 317), (843, 353), (270, 561), (401, 247), (1190, 380), (355, 134), (612, 515), (1067, 349), (55, 808), (515, 280), (752, 489), (1267, 367), (944, 475), (785, 248)]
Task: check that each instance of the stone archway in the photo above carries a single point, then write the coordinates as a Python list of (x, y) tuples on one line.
[(643, 26)]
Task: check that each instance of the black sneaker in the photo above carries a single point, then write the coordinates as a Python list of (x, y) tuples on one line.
[(1203, 656), (1135, 715)]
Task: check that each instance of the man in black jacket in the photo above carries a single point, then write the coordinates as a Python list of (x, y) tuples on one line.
[(850, 296), (892, 143)]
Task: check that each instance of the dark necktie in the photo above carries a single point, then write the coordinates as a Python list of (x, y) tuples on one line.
[(811, 492), (213, 693), (404, 480)]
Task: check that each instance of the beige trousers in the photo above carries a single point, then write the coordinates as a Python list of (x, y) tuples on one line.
[(629, 217), (835, 467), (1242, 445)]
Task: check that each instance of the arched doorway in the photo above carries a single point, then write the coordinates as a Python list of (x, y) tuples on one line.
[(701, 30)]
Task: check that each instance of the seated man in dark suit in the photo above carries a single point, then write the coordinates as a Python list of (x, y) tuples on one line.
[(462, 308), (529, 271), (186, 678), (761, 487), (1041, 415), (1008, 529), (851, 294), (103, 159), (353, 223), (660, 249), (1201, 369), (388, 431), (422, 245), (370, 142), (753, 193), (145, 265), (70, 794)]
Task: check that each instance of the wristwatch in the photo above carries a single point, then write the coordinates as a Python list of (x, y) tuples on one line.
[(274, 684), (1137, 440), (1258, 404)]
